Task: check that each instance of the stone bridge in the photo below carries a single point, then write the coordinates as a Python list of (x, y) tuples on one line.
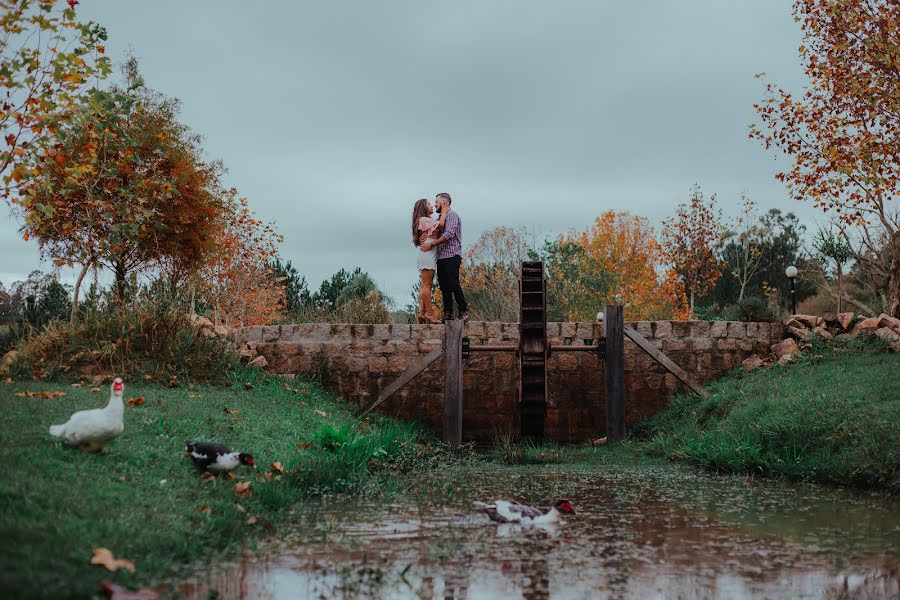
[(360, 360)]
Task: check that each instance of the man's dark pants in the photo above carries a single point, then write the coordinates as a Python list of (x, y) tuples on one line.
[(448, 281)]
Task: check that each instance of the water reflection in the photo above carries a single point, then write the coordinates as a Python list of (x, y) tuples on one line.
[(639, 533)]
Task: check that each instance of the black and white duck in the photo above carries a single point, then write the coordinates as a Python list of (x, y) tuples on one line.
[(510, 511), (216, 458)]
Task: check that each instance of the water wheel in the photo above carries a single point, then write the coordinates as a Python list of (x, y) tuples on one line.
[(533, 349)]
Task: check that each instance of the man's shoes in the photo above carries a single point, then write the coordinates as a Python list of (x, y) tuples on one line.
[(447, 317), (464, 315)]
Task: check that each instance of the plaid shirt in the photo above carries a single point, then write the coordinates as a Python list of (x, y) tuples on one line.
[(452, 245)]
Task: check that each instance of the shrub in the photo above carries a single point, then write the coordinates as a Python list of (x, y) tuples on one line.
[(150, 338)]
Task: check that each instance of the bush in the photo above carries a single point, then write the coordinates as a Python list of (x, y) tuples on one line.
[(150, 338)]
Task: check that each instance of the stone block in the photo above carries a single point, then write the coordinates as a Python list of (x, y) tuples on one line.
[(752, 330), (702, 344), (286, 348), (567, 330), (584, 331), (726, 344), (681, 329), (361, 331), (700, 329), (401, 331), (746, 345), (378, 364), (662, 329), (341, 331), (494, 332), (398, 363), (553, 330), (381, 331), (737, 330), (505, 361), (718, 329), (674, 346), (271, 333), (356, 364), (566, 362), (645, 329), (475, 329), (510, 331)]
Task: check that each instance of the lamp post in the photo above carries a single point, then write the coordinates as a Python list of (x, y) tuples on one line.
[(791, 272)]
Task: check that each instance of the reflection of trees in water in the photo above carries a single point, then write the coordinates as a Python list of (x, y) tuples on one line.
[(456, 586), (614, 540), (535, 573)]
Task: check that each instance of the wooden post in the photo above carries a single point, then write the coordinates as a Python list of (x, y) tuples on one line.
[(614, 323), (453, 388)]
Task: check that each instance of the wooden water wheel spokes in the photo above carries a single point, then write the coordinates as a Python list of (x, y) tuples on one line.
[(533, 349)]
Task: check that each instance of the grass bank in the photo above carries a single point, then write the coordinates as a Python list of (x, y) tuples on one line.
[(145, 502), (833, 417)]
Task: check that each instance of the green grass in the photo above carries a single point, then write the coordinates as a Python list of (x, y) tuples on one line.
[(143, 499), (834, 417)]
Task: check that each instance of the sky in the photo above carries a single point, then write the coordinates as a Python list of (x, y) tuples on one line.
[(332, 118)]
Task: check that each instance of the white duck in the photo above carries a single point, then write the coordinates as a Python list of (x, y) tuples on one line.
[(510, 511), (94, 429)]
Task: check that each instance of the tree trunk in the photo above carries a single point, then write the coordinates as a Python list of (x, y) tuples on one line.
[(840, 283), (893, 295), (121, 274), (73, 318)]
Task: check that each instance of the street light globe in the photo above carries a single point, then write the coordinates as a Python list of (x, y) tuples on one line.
[(791, 271), (600, 316)]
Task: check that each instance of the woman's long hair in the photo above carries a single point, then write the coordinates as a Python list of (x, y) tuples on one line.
[(419, 210)]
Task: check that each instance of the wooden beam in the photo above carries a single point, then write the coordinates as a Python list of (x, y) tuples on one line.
[(453, 386), (614, 322), (665, 361), (403, 380)]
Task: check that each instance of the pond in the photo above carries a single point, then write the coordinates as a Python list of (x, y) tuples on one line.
[(641, 531)]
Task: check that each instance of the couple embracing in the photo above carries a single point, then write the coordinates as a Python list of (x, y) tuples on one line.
[(440, 250)]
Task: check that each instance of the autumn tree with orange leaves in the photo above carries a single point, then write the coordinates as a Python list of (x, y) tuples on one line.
[(843, 132), (121, 184), (690, 241), (47, 57), (624, 246), (237, 280)]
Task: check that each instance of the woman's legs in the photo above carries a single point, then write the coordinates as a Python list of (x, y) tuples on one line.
[(425, 294)]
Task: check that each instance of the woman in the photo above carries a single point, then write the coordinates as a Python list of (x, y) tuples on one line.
[(424, 224)]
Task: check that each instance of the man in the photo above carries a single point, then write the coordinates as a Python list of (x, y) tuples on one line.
[(449, 259)]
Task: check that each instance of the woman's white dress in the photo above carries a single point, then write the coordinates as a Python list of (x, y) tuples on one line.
[(427, 260)]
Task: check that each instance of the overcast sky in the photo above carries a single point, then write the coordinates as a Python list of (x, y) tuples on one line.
[(334, 117)]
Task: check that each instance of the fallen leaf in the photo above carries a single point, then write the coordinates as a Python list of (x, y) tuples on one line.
[(206, 510), (77, 385), (104, 557), (8, 380), (42, 394), (118, 592), (289, 388), (304, 391), (248, 386), (148, 377), (207, 476), (240, 507), (276, 466), (232, 412), (173, 382), (243, 489), (304, 446), (135, 401), (21, 394), (95, 389), (600, 441), (321, 413), (228, 476), (193, 396), (252, 520)]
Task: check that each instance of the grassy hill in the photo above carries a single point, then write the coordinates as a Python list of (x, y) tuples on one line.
[(832, 417)]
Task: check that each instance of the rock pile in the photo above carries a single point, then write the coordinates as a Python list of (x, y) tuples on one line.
[(800, 328), (207, 328)]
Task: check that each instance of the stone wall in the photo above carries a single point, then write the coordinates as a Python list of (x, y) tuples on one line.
[(360, 360)]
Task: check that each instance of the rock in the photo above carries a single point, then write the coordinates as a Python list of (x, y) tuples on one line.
[(867, 325), (220, 330), (752, 362), (795, 324), (845, 319), (9, 357), (886, 333), (786, 360), (800, 334), (889, 321), (820, 321), (200, 322), (830, 318), (808, 321), (787, 347), (823, 333), (207, 332), (247, 354), (259, 362)]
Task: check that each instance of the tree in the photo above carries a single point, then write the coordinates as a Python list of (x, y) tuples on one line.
[(690, 241), (237, 279), (46, 59), (833, 247), (296, 294), (577, 287), (490, 274), (326, 298), (843, 133), (123, 185), (744, 254), (624, 246)]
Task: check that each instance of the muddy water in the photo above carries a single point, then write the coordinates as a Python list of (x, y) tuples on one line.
[(640, 532)]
